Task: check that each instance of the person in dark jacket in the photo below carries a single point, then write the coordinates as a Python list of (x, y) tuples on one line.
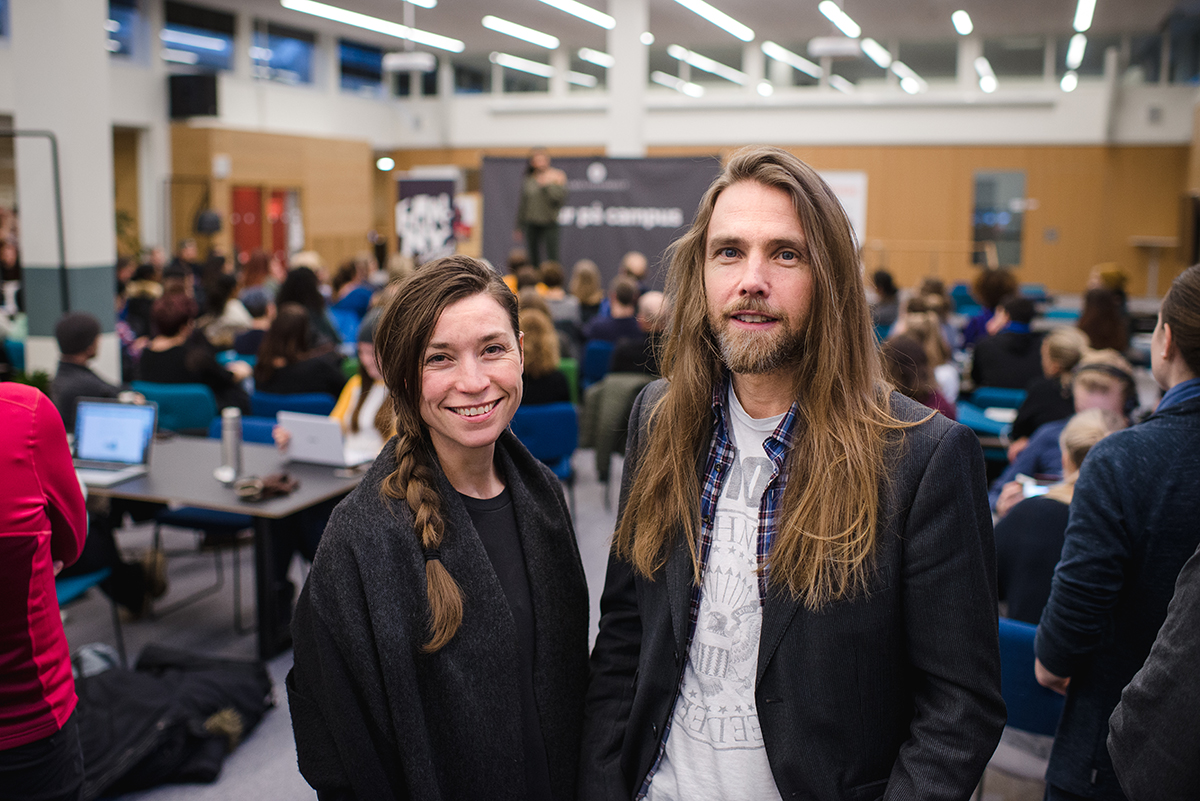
[(543, 192), (1132, 528), (285, 363), (1153, 738), (1049, 399), (441, 637), (302, 286), (78, 337), (1011, 355)]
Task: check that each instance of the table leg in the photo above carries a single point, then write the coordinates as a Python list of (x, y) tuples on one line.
[(274, 635)]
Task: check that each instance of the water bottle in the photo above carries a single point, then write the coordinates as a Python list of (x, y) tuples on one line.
[(231, 445)]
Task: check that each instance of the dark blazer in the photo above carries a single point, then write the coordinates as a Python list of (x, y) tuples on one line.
[(1132, 527), (1008, 359), (377, 719), (894, 694)]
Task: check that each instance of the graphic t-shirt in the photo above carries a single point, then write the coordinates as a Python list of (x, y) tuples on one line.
[(715, 746)]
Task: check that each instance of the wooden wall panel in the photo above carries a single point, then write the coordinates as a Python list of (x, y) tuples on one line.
[(125, 187)]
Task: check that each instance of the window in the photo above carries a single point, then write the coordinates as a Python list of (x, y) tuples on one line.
[(931, 59), (124, 27), (1018, 57), (282, 54), (472, 76), (402, 84), (1093, 55), (197, 36), (3, 18), (999, 217), (361, 67)]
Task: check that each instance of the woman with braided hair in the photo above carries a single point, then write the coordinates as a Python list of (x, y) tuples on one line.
[(441, 638)]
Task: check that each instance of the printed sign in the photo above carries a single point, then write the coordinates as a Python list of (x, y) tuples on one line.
[(425, 217)]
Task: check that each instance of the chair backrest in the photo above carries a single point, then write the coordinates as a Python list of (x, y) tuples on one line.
[(16, 354), (597, 355), (1031, 707), (570, 368), (254, 429), (181, 407), (1003, 397), (346, 322), (69, 588), (268, 404), (550, 431)]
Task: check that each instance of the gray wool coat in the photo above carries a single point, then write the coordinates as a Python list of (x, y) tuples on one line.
[(374, 718)]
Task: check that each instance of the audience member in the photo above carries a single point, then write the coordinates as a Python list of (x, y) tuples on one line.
[(622, 319), (543, 192), (78, 335), (1102, 380), (926, 328), (529, 277), (287, 364), (542, 381), (564, 308), (226, 316), (303, 287), (186, 261), (1132, 529), (256, 275), (351, 291), (363, 408), (140, 293), (1029, 539), (177, 281), (262, 312), (44, 524), (991, 286), (1103, 320), (907, 366), (1010, 356), (886, 307), (1049, 398), (586, 287), (640, 354), (178, 354), (635, 265)]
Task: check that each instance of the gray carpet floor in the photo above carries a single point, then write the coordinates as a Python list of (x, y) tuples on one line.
[(263, 768)]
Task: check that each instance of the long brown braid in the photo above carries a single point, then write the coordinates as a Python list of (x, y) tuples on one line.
[(403, 333)]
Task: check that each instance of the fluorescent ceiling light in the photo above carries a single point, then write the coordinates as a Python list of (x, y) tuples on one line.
[(385, 163), (113, 45), (840, 18), (678, 84), (910, 85), (261, 53), (1069, 81), (646, 38), (983, 68), (586, 13), (877, 53), (765, 88), (597, 57), (520, 32), (581, 79), (707, 64), (192, 40), (1075, 51), (841, 84), (962, 22), (366, 22), (988, 83), (521, 64), (718, 18), (180, 56), (409, 61), (1083, 14), (793, 60), (910, 81), (112, 26)]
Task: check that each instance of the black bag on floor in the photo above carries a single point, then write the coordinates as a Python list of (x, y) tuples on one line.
[(172, 719)]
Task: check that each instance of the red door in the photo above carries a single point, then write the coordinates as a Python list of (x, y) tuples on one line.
[(246, 220), (277, 217)]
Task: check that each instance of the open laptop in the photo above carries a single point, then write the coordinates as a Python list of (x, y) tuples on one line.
[(319, 439), (112, 440)]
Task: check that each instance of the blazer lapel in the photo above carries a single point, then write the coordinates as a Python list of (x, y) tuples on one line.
[(778, 612)]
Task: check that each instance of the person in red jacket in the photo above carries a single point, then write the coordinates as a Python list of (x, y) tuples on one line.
[(43, 524)]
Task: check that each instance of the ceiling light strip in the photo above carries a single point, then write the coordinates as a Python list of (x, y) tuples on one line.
[(520, 32), (678, 84), (839, 18), (707, 64), (597, 57), (876, 52), (582, 79), (522, 64), (1083, 14), (962, 22), (718, 18), (586, 13), (793, 60), (1075, 50), (366, 22)]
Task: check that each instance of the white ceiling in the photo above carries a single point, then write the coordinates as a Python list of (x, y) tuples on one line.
[(789, 22)]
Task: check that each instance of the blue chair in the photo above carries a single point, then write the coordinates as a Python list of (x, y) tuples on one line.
[(1035, 292), (16, 354), (597, 356), (1033, 710), (72, 587), (551, 433), (269, 404), (960, 294), (227, 356), (1067, 315), (181, 407), (974, 418), (254, 429), (1002, 397)]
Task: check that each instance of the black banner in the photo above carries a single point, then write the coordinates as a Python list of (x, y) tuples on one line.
[(425, 218), (613, 206)]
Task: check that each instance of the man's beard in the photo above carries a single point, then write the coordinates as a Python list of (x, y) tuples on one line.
[(756, 352)]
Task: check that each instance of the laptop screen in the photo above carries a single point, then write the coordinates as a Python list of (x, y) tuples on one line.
[(116, 433)]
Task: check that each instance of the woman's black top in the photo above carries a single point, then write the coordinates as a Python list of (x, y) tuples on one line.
[(549, 388), (193, 363), (1047, 400), (496, 521), (316, 374), (1029, 541)]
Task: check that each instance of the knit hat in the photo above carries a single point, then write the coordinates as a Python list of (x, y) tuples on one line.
[(75, 332)]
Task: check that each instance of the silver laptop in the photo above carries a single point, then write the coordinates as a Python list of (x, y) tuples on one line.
[(319, 439), (112, 440)]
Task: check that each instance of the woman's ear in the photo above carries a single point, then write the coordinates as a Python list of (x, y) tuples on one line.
[(1168, 339), (521, 346)]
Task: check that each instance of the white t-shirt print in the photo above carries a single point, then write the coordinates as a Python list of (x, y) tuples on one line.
[(715, 747)]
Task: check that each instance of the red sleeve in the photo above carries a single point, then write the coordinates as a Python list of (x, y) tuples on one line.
[(56, 473)]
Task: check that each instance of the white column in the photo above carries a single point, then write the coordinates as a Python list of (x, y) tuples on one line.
[(627, 78), (969, 49), (779, 73), (243, 39), (61, 85), (560, 60), (753, 65)]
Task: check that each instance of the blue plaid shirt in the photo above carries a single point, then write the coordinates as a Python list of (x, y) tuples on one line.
[(721, 453)]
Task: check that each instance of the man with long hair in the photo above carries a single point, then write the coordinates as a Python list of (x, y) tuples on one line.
[(800, 600)]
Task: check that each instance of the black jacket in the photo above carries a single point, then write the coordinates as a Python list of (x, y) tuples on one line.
[(1007, 359), (895, 693), (75, 381), (375, 718)]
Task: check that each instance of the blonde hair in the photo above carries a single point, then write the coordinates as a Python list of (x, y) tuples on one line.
[(541, 343), (926, 328), (1099, 368), (1065, 346), (585, 282), (1081, 434), (825, 540)]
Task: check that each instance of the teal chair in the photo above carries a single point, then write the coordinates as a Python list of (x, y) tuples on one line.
[(181, 407), (551, 433), (269, 404), (16, 354), (1001, 397), (73, 587)]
